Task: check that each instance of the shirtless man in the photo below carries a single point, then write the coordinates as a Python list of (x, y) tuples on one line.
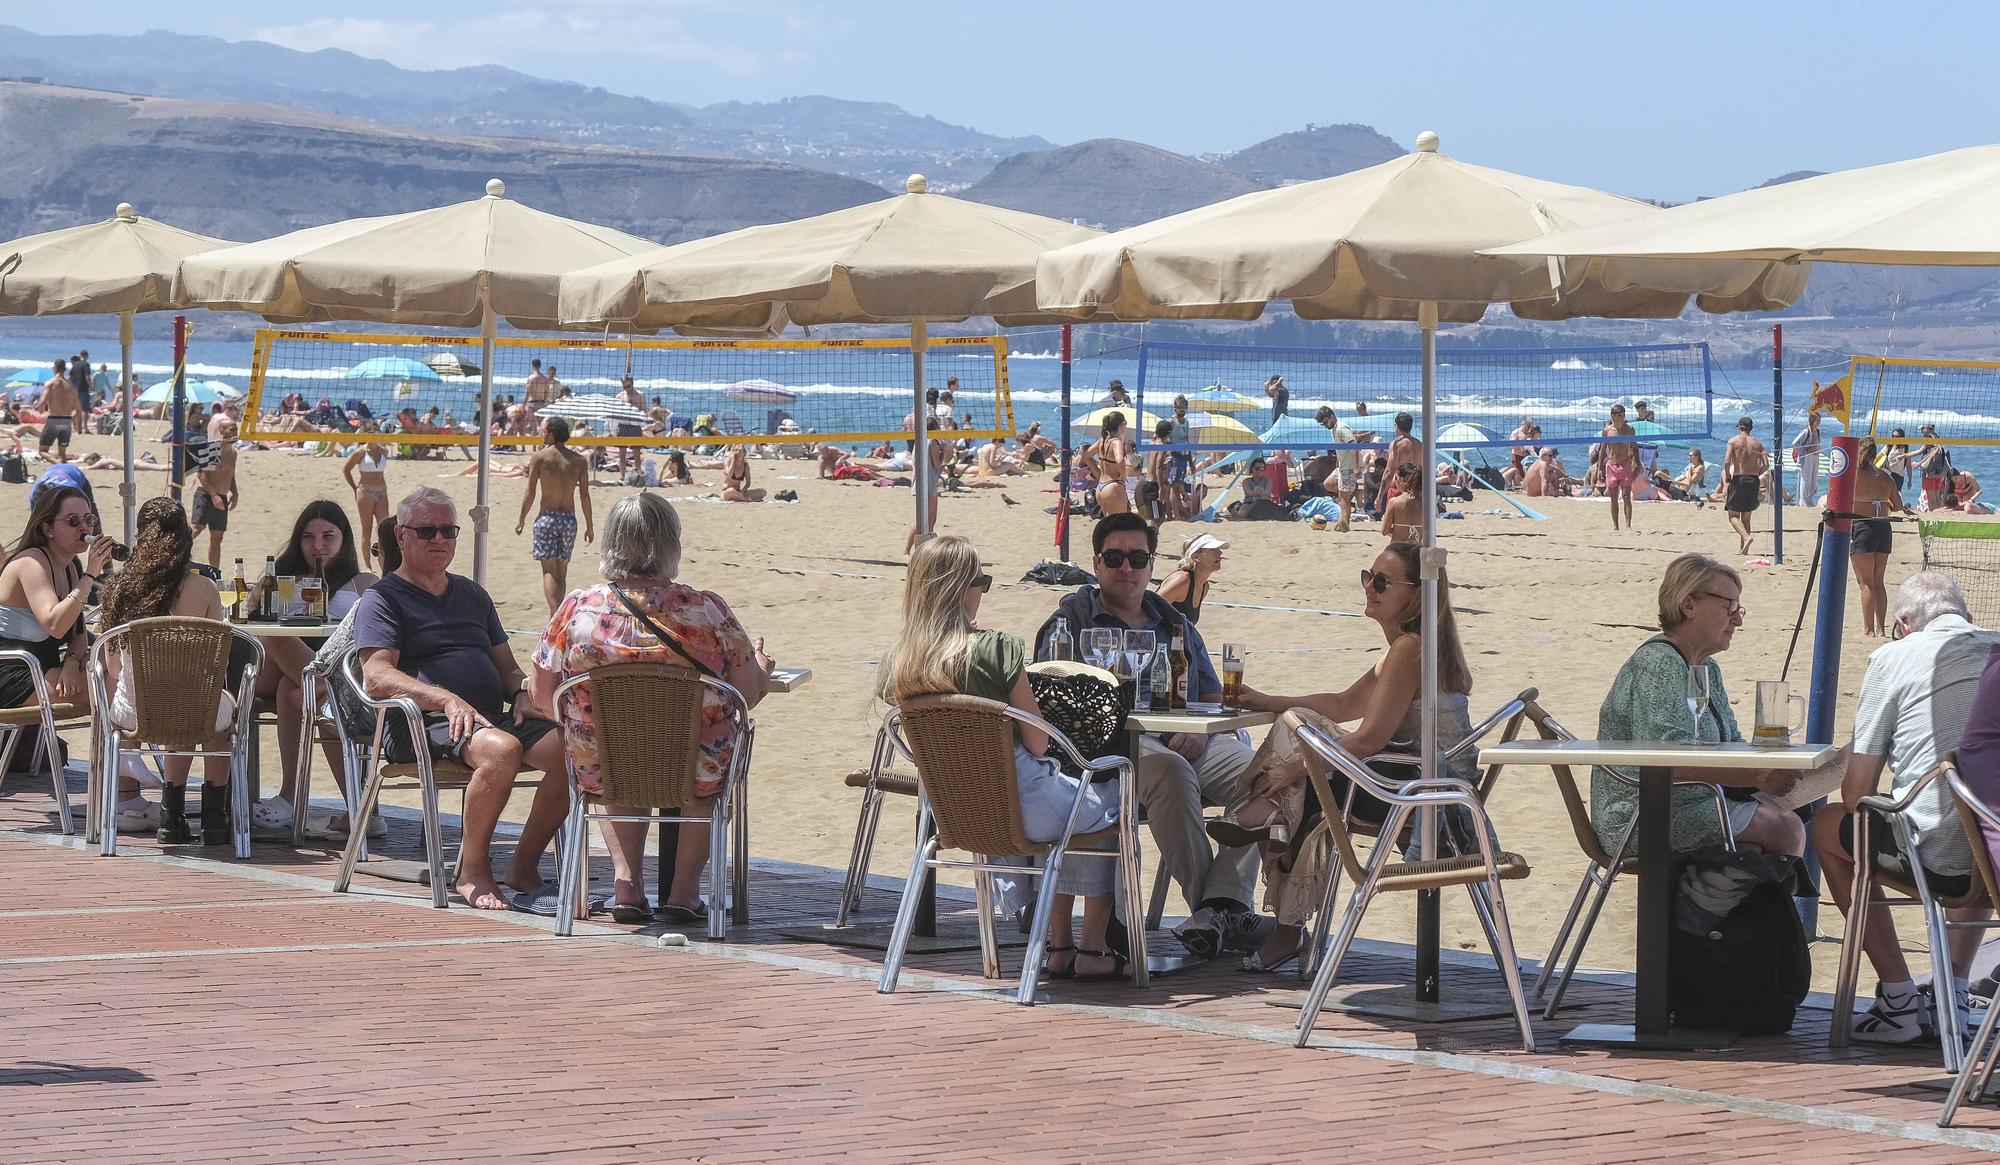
[(59, 402), (1405, 449), (215, 491), (1545, 478), (1743, 465), (1621, 464), (628, 455), (1523, 437), (536, 393), (563, 477)]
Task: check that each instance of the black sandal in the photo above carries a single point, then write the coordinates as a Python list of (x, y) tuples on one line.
[(1068, 972), (638, 913), (1117, 972), (683, 915)]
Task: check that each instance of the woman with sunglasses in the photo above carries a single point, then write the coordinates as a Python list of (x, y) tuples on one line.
[(1699, 610), (1283, 811), (942, 651)]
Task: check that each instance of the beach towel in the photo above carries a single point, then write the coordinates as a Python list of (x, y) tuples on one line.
[(853, 473)]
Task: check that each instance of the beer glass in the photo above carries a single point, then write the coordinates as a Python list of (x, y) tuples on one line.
[(312, 594), (288, 594), (1775, 722), (1232, 676)]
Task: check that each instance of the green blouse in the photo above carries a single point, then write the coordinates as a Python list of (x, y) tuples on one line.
[(993, 664), (1649, 701)]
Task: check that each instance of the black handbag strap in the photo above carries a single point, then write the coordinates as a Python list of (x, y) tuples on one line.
[(663, 635)]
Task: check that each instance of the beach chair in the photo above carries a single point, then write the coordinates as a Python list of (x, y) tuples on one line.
[(732, 425), (1976, 1062), (649, 724), (1385, 872), (47, 716), (1915, 891), (180, 671), (1603, 868), (963, 750), (424, 774)]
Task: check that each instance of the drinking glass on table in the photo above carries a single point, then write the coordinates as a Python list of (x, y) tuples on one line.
[(312, 596), (1232, 676), (1137, 657), (288, 593), (1102, 646), (1698, 694)]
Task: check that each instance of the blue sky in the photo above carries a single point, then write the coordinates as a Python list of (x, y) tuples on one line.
[(1665, 101)]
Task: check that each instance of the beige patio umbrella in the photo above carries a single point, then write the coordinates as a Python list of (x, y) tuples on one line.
[(120, 266), (1399, 240), (915, 258), (461, 266)]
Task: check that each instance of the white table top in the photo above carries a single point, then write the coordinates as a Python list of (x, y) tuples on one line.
[(1200, 725), (281, 631), (786, 679), (1641, 753)]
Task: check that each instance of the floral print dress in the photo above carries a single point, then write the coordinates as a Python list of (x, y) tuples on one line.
[(592, 628)]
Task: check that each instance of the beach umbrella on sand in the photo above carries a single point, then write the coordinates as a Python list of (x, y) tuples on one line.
[(1218, 398), (199, 392), (916, 258), (452, 366), (1217, 429), (1460, 434), (120, 266), (25, 378), (1093, 420), (1649, 428), (461, 266), (596, 407), (1399, 240), (760, 391), (393, 368)]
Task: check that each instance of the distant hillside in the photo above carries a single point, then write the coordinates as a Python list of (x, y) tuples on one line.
[(878, 142), (1107, 182), (1317, 151), (248, 172)]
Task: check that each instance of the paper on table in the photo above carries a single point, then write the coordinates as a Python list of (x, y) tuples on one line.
[(1823, 781)]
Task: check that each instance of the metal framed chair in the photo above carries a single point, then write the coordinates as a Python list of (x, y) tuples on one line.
[(1480, 874), (649, 724), (1977, 1060), (1604, 868), (1916, 891), (424, 773), (47, 715), (876, 782), (963, 749), (321, 723), (180, 671)]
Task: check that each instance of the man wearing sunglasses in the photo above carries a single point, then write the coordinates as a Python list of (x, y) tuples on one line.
[(436, 638), (1176, 772)]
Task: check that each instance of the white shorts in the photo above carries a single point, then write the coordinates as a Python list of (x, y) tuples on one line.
[(1343, 481)]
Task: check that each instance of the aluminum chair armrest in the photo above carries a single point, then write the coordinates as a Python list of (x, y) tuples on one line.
[(35, 674), (1898, 802)]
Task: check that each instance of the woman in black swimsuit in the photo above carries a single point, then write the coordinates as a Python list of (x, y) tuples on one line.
[(1875, 492), (1187, 587)]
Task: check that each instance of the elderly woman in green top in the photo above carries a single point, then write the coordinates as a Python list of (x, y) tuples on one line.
[(943, 650), (1649, 700)]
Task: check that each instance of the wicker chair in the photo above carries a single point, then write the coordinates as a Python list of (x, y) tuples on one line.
[(1978, 1058), (180, 670), (1604, 868), (963, 749), (1480, 874), (424, 773), (1915, 891), (649, 723), (48, 715)]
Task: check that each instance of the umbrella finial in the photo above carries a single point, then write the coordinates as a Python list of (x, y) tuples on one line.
[(125, 213), (1427, 142), (495, 188), (917, 184)]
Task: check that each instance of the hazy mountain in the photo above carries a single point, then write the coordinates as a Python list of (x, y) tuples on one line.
[(1107, 182), (1317, 151), (246, 171), (878, 142)]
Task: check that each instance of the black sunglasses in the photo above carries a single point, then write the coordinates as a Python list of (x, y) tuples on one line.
[(426, 533), (1116, 559), (983, 583), (1380, 581)]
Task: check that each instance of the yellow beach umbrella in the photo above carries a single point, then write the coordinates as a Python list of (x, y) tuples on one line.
[(1217, 429)]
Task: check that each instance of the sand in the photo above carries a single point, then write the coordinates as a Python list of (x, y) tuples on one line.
[(1553, 605)]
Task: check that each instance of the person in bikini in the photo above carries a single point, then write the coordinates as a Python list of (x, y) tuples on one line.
[(371, 493), (736, 477), (1743, 465), (563, 478)]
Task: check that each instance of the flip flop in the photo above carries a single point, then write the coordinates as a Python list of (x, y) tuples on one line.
[(684, 915), (541, 901), (638, 914)]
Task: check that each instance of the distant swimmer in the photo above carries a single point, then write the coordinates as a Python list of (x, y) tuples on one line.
[(1743, 465), (1621, 464)]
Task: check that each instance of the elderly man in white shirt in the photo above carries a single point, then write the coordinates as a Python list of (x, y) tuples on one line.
[(1915, 701)]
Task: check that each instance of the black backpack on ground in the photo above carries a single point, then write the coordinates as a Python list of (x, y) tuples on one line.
[(1746, 971)]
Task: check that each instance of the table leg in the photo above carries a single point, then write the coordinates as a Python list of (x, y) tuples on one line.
[(927, 900), (670, 844), (1428, 939)]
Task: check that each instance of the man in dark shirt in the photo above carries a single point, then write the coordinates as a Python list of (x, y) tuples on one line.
[(436, 638), (1281, 397), (1979, 748)]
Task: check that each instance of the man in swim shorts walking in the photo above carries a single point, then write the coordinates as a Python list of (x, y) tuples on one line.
[(1743, 465), (562, 475), (215, 489), (1621, 464), (60, 404)]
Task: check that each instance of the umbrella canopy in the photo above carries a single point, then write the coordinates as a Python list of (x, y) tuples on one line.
[(1094, 420), (123, 264), (1376, 243), (1649, 428), (1218, 398), (199, 392), (761, 391), (1462, 433), (916, 256), (451, 364), (393, 368), (437, 267), (1942, 210), (1218, 429), (595, 407), (28, 378)]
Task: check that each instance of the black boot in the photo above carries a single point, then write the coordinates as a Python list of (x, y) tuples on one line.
[(215, 815), (173, 816)]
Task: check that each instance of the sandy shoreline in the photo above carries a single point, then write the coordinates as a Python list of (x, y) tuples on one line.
[(1555, 605)]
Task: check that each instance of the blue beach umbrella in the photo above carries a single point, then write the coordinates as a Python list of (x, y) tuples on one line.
[(393, 368)]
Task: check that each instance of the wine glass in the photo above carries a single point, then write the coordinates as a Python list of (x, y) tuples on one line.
[(1101, 647), (1138, 647), (1697, 695)]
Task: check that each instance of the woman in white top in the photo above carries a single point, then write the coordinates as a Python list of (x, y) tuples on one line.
[(371, 493), (322, 546)]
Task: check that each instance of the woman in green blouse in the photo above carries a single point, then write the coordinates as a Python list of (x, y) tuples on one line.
[(1650, 701)]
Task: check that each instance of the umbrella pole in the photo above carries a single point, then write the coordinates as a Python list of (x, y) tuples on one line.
[(920, 457), (487, 327), (1431, 560), (1062, 478), (128, 488)]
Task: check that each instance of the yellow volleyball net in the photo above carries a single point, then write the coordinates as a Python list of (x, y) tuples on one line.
[(1957, 401), (424, 389)]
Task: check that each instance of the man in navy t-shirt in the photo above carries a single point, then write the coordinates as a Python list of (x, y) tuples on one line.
[(436, 638)]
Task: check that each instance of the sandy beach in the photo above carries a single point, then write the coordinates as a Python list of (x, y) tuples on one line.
[(1553, 605)]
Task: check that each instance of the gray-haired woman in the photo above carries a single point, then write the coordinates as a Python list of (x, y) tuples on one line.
[(639, 555)]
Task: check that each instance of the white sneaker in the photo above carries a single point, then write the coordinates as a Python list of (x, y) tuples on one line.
[(1898, 1019), (138, 815), (273, 814), (136, 769)]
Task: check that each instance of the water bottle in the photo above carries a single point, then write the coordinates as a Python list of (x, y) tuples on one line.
[(1163, 680), (1060, 645)]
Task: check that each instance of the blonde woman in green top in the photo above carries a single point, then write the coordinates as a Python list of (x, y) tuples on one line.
[(943, 651)]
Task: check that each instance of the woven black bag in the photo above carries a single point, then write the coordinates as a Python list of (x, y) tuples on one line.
[(1088, 710)]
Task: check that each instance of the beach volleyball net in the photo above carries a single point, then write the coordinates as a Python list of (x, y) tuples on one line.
[(424, 389), (1959, 398), (1970, 553), (1483, 395)]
